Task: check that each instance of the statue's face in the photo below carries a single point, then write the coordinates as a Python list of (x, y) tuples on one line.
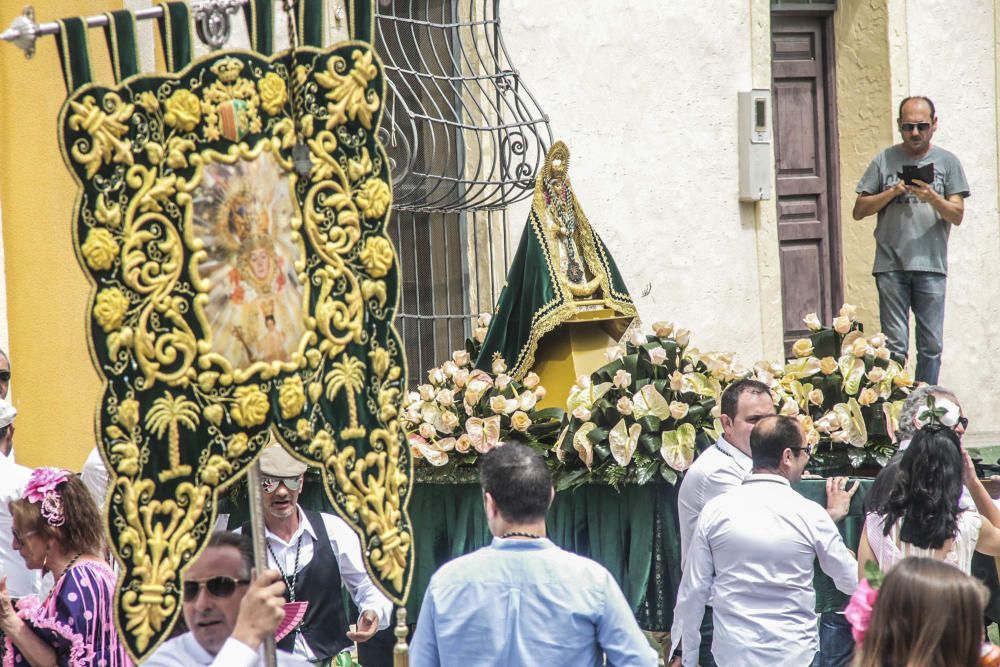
[(260, 263)]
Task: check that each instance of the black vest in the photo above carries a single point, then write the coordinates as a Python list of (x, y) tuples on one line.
[(325, 623)]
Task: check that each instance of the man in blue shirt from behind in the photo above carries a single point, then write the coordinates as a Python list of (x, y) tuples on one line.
[(522, 600)]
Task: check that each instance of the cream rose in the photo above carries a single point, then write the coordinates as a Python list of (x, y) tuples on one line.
[(622, 378), (461, 358), (497, 404), (841, 324), (816, 397), (582, 413), (499, 366), (531, 380), (876, 374), (803, 347), (657, 356), (520, 421), (828, 365), (624, 405), (812, 322), (867, 396), (663, 329)]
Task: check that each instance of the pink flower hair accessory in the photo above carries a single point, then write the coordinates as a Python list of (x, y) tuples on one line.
[(42, 487)]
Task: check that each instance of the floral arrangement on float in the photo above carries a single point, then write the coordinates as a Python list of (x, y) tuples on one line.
[(462, 412), (845, 389), (645, 414)]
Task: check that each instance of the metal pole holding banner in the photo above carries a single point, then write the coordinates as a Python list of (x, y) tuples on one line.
[(258, 530)]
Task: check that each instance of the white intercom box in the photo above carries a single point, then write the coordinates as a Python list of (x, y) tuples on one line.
[(755, 144)]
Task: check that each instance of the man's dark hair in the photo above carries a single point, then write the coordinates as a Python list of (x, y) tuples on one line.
[(771, 437), (222, 539), (519, 481), (916, 97), (926, 489), (731, 396)]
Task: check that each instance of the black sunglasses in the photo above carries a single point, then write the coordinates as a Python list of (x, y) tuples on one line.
[(218, 587), (963, 421), (909, 127), (4, 376)]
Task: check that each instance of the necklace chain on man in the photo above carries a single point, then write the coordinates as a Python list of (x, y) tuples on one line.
[(290, 583), (515, 533)]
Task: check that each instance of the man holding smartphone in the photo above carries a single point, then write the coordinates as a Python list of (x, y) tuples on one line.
[(915, 217)]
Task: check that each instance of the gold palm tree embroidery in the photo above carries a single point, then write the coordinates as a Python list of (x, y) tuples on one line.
[(349, 376), (169, 414)]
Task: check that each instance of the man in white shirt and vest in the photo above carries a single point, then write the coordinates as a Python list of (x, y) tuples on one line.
[(228, 615), (316, 553), (752, 553)]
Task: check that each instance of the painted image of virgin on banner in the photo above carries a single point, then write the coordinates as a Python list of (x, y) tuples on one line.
[(242, 215)]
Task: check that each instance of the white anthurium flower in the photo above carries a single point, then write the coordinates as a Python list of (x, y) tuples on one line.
[(623, 442), (511, 405), (677, 447), (586, 395), (582, 444), (432, 454), (527, 400), (648, 401), (582, 413), (502, 381)]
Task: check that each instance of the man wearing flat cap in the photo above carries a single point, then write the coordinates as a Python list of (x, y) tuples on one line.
[(316, 553)]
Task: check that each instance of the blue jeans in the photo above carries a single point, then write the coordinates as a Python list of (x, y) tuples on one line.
[(836, 643), (923, 292)]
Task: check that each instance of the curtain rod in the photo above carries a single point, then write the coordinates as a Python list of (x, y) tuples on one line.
[(211, 16)]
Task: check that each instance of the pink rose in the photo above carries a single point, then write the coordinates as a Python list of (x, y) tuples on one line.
[(859, 610)]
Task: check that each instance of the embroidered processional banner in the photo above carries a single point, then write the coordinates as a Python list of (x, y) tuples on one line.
[(231, 219)]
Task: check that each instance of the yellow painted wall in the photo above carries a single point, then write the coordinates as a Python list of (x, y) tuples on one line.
[(865, 123), (55, 387)]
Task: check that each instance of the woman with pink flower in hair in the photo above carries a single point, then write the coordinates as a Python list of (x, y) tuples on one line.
[(925, 614), (57, 529)]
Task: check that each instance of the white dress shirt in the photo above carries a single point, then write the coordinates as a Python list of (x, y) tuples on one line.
[(20, 580), (94, 476), (347, 549), (185, 651), (718, 469), (754, 549)]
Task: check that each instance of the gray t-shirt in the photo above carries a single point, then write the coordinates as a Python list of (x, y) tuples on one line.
[(909, 235)]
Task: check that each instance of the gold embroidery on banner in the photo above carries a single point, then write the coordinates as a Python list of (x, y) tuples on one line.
[(152, 309)]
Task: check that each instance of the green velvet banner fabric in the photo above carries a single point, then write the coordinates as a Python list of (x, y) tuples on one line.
[(231, 220), (120, 35)]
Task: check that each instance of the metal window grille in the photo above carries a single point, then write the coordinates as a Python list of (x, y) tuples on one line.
[(465, 139)]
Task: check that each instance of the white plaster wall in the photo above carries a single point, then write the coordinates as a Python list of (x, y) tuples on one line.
[(957, 69), (645, 96)]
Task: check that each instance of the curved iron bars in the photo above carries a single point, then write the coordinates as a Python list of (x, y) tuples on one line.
[(461, 128)]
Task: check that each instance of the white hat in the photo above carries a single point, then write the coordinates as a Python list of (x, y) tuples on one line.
[(276, 462), (7, 413)]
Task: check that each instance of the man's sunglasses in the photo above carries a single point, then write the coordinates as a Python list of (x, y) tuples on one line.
[(217, 587), (963, 422), (270, 484), (4, 376), (808, 449), (909, 127)]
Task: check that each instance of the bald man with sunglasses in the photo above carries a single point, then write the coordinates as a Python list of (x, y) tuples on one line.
[(316, 553), (918, 191), (228, 612)]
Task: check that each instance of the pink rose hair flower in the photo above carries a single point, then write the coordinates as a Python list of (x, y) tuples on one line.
[(42, 487), (859, 610)]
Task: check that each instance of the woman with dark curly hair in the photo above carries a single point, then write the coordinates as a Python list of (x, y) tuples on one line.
[(922, 517), (926, 614), (57, 529)]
